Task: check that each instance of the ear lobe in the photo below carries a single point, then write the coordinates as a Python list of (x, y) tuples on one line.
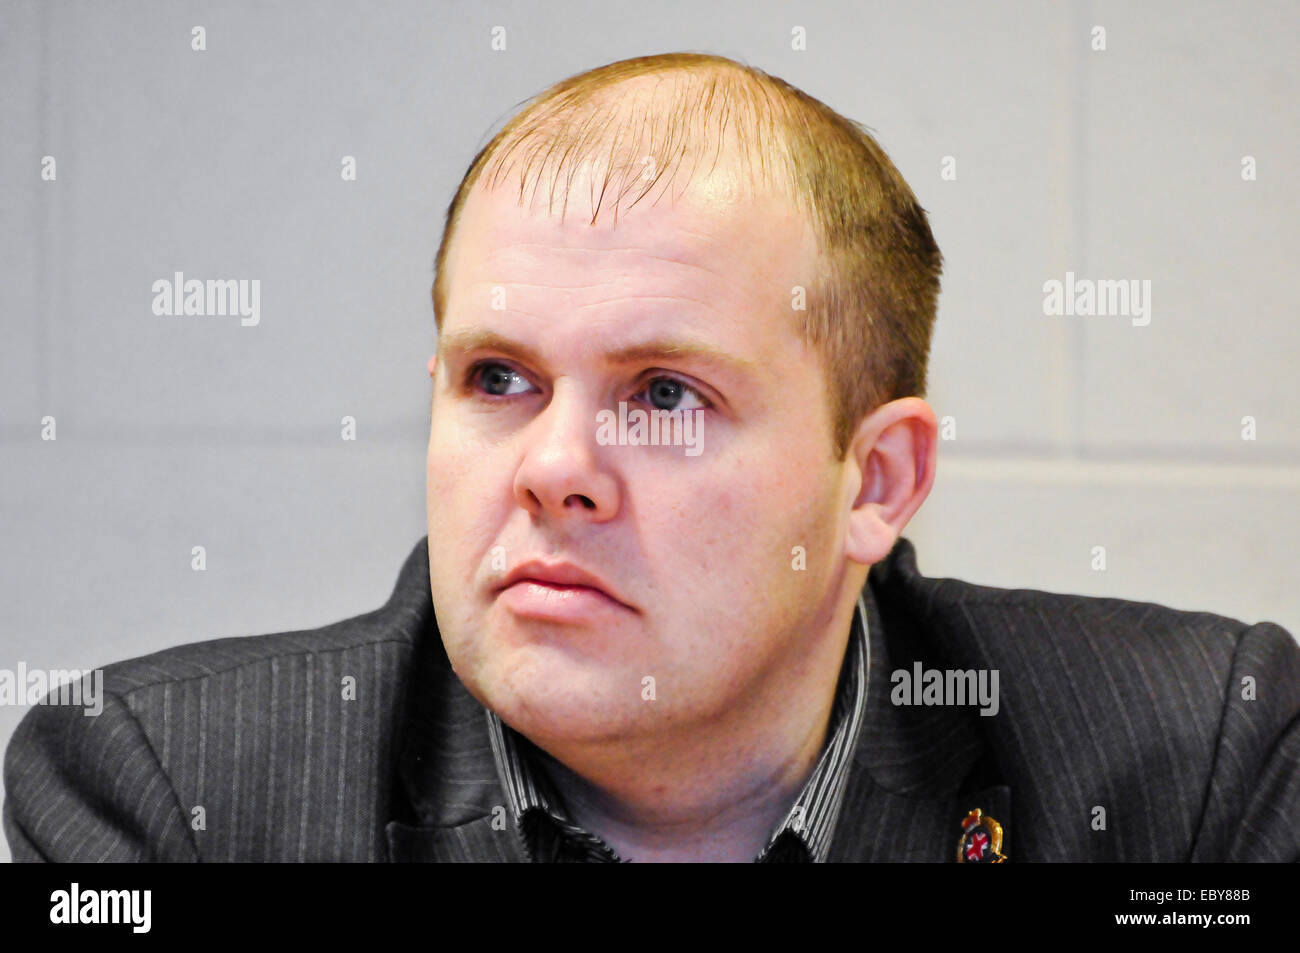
[(869, 537), (895, 451), (433, 363)]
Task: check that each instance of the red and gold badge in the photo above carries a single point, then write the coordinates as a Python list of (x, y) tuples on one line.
[(981, 840)]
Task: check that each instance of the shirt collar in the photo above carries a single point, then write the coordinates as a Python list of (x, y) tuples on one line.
[(805, 833)]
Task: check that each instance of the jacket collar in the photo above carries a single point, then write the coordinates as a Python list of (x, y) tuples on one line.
[(917, 771)]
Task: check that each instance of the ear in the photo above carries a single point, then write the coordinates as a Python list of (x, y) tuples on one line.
[(894, 453), (433, 364)]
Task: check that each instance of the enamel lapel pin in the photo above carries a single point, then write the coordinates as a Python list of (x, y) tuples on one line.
[(981, 840)]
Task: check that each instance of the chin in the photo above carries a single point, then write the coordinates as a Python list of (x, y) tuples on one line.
[(548, 694)]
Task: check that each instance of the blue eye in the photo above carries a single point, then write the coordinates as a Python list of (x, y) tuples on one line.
[(668, 393), (498, 380)]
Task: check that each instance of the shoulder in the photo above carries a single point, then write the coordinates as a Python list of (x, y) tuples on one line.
[(211, 724), (390, 630), (1051, 637), (371, 648), (1168, 720), (226, 661)]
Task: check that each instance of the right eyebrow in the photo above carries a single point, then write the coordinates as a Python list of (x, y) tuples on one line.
[(459, 343)]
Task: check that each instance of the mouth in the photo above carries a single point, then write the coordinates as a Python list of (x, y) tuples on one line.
[(559, 592)]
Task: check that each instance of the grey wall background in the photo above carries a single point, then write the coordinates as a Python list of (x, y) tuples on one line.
[(172, 432)]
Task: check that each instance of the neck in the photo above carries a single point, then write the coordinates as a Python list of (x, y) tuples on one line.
[(711, 794)]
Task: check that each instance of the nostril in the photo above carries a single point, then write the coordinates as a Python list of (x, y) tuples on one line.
[(586, 501)]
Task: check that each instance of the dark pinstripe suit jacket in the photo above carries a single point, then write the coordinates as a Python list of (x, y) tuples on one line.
[(246, 749)]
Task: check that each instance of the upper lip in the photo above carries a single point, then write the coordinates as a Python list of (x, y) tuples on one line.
[(560, 573)]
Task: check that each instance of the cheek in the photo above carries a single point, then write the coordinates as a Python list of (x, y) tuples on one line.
[(734, 526), (728, 595), (464, 500), (448, 457), (459, 471), (766, 527)]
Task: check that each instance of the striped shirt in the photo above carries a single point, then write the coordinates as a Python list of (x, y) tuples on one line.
[(550, 834)]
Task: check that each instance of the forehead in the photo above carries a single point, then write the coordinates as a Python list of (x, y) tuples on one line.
[(719, 237)]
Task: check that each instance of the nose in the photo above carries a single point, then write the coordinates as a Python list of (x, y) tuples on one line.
[(563, 475)]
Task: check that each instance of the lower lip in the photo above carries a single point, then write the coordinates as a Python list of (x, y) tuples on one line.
[(552, 602)]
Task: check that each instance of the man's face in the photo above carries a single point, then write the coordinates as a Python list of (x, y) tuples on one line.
[(547, 325)]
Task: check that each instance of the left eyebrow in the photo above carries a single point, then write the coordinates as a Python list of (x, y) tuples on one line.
[(650, 351)]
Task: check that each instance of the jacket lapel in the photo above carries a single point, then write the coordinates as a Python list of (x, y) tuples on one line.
[(880, 826), (449, 805), (917, 770)]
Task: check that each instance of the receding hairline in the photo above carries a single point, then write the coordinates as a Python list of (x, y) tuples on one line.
[(645, 123)]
